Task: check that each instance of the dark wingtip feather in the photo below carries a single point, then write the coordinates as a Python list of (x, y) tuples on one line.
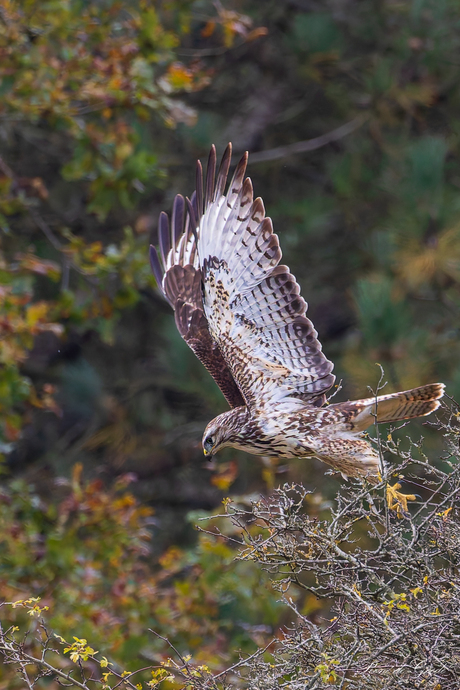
[(247, 195), (210, 175), (163, 235), (177, 218), (238, 175), (192, 215), (223, 172), (258, 210), (199, 189), (155, 266), (195, 208)]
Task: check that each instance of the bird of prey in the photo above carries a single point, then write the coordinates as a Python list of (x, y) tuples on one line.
[(241, 313)]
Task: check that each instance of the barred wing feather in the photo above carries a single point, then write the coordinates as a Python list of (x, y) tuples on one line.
[(178, 275), (252, 303)]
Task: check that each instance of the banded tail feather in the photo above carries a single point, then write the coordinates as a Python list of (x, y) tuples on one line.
[(240, 311), (394, 407)]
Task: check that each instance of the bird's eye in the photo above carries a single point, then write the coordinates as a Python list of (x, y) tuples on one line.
[(209, 441)]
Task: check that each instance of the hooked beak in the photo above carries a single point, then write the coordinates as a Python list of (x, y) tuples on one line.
[(208, 453)]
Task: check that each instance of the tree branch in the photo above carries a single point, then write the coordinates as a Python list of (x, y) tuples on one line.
[(309, 144)]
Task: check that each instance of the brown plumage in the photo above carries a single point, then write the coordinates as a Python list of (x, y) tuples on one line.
[(241, 312)]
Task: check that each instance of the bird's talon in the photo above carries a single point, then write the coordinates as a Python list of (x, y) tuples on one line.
[(398, 501)]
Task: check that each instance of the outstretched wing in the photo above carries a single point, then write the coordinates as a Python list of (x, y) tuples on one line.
[(252, 304), (178, 274)]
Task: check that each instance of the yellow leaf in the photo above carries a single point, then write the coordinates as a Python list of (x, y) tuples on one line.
[(36, 312), (124, 150), (445, 513), (179, 76), (403, 607)]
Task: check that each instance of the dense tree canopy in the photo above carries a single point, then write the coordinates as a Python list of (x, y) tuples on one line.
[(350, 113)]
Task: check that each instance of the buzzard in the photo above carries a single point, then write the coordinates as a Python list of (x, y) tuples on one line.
[(242, 314)]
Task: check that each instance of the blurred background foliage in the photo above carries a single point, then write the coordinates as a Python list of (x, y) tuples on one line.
[(104, 107)]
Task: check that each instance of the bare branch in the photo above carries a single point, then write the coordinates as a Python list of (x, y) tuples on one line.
[(310, 144)]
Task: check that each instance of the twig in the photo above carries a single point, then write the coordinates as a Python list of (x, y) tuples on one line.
[(23, 656), (257, 653), (309, 144), (170, 644)]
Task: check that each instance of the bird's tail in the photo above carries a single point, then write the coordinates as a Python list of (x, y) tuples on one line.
[(417, 402)]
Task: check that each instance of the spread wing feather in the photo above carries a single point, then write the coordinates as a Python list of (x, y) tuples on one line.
[(178, 275), (237, 308), (252, 303)]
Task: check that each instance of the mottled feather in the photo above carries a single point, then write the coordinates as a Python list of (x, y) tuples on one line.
[(179, 277), (241, 312), (252, 304), (417, 402)]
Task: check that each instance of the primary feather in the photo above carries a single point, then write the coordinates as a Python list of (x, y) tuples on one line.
[(242, 314), (252, 304)]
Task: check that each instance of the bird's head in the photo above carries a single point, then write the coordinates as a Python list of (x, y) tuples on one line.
[(224, 431), (214, 438)]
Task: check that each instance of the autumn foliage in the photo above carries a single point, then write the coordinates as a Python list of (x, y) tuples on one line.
[(350, 114)]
